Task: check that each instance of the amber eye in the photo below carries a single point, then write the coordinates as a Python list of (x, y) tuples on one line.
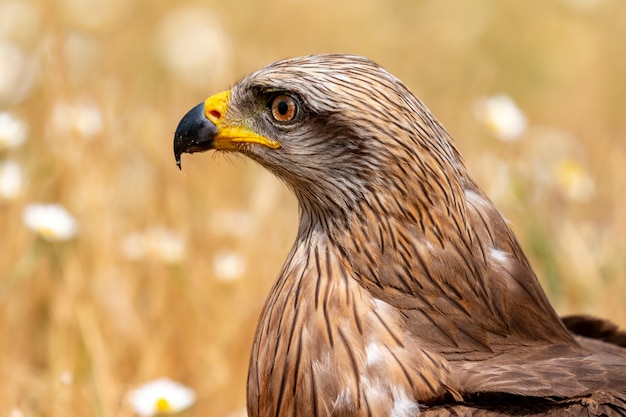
[(284, 108)]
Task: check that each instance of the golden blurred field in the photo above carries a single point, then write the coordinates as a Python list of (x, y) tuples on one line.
[(168, 270)]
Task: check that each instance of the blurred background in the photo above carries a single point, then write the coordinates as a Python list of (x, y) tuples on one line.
[(117, 269)]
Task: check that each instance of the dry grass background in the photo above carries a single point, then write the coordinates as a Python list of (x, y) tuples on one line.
[(101, 86)]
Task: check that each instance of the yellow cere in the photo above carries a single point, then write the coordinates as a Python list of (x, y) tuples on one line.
[(215, 108)]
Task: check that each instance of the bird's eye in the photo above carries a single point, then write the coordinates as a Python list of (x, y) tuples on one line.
[(284, 108)]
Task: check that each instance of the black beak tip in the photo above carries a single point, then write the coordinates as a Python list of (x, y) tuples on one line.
[(195, 133)]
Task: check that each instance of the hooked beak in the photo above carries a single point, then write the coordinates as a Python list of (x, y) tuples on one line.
[(206, 127), (195, 133)]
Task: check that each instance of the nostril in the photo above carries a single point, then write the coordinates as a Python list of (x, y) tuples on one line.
[(215, 115)]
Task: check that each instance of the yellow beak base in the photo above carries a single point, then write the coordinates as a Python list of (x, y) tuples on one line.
[(228, 135)]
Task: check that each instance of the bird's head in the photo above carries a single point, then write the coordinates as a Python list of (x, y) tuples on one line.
[(338, 129)]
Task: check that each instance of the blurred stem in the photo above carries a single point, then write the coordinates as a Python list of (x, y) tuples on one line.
[(23, 269)]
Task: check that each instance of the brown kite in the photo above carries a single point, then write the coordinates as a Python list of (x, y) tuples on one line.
[(405, 293)]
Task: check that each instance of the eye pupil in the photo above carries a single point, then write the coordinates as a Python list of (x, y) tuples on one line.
[(284, 108)]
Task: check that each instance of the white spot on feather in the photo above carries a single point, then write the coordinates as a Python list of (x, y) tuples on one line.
[(344, 399), (378, 391), (373, 353), (474, 198), (380, 305), (403, 406), (498, 255), (375, 390)]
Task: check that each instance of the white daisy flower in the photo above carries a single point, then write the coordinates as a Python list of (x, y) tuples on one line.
[(161, 396), (51, 221), (229, 266), (501, 116), (13, 131), (11, 180)]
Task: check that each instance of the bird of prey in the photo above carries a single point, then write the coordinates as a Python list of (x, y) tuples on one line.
[(405, 293)]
